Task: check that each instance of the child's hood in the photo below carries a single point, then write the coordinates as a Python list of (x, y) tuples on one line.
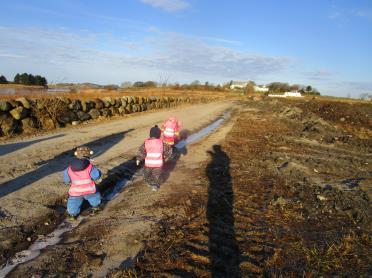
[(79, 164)]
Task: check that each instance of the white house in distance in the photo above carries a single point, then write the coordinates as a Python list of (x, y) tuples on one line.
[(238, 85), (243, 84), (260, 88), (287, 94)]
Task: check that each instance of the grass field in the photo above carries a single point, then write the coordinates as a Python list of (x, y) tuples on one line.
[(38, 92)]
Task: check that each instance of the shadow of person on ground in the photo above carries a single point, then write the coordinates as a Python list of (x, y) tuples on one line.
[(223, 247), (59, 163), (12, 147)]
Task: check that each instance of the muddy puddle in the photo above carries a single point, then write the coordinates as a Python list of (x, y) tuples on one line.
[(35, 249), (203, 132)]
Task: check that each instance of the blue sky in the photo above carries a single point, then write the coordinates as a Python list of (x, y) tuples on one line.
[(327, 44)]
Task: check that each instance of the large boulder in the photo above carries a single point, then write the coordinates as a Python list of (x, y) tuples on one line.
[(129, 108), (82, 116), (124, 101), (25, 102), (19, 113), (47, 123), (121, 110), (75, 105), (99, 103), (135, 108), (114, 110), (67, 117), (29, 124), (105, 112), (106, 102), (87, 105), (8, 125), (110, 100), (94, 113), (5, 106), (92, 104), (117, 102), (14, 103), (84, 105)]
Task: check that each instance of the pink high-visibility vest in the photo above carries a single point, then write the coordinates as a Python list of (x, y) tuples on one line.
[(170, 127), (81, 182), (154, 153)]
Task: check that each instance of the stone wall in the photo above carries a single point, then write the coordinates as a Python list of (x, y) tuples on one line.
[(24, 115)]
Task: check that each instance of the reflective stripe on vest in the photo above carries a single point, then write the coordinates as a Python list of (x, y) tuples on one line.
[(169, 132), (81, 182), (154, 153)]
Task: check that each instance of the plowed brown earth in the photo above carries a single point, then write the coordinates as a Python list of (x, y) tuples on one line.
[(287, 193), (282, 189)]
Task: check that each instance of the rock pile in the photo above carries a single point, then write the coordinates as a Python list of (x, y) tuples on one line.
[(24, 115)]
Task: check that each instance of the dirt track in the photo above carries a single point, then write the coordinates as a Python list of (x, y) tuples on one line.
[(31, 190), (280, 189)]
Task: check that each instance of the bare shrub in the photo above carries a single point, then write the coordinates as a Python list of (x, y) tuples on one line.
[(47, 109)]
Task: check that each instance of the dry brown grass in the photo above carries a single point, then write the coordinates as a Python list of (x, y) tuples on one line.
[(145, 92), (20, 86)]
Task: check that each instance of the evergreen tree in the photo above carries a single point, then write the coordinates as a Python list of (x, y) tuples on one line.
[(29, 79), (3, 80), (17, 78)]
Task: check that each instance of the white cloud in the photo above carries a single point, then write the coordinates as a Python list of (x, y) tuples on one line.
[(107, 55), (10, 55), (105, 58), (168, 5), (189, 55), (223, 40)]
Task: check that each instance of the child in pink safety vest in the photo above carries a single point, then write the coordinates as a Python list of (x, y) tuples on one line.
[(154, 152), (81, 174), (170, 131)]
